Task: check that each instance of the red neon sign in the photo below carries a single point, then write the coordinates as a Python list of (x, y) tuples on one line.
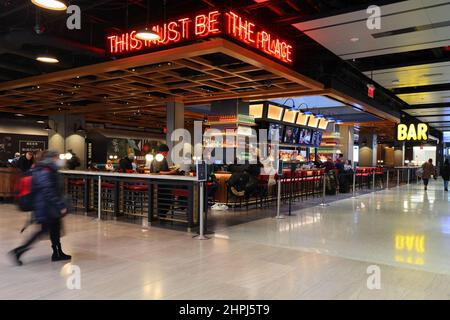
[(205, 25)]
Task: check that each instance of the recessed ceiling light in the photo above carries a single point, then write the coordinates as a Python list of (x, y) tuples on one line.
[(19, 115), (58, 5), (40, 121), (46, 58), (354, 39), (395, 81)]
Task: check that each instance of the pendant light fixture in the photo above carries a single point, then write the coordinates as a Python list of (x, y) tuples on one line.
[(147, 34), (57, 5)]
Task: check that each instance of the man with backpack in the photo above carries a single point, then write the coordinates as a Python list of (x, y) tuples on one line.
[(48, 206)]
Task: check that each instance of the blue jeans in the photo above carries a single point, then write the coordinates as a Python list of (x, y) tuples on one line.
[(446, 184)]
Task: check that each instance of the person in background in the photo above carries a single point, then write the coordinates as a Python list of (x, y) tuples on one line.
[(74, 162), (162, 167), (25, 162), (428, 171), (48, 206), (328, 165), (109, 166), (126, 164), (15, 160), (348, 165), (445, 173), (340, 162)]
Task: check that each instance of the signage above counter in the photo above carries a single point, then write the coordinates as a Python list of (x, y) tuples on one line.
[(191, 28), (412, 132)]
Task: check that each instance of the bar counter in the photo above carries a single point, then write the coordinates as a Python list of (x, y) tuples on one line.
[(154, 198)]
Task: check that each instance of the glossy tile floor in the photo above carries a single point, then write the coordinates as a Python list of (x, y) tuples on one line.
[(321, 253)]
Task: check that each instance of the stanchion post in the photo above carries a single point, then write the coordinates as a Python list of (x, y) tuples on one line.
[(279, 215), (354, 184), (373, 179), (387, 179), (279, 176), (398, 177), (407, 181), (201, 177), (323, 204), (99, 204)]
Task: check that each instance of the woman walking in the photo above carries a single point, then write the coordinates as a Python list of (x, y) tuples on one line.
[(445, 173), (48, 206)]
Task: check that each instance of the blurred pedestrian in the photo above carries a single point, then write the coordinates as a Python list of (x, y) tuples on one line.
[(445, 173), (48, 206), (428, 171)]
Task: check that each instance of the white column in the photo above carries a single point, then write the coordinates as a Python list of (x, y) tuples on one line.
[(64, 135)]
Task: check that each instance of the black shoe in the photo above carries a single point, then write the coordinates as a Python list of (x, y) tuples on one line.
[(16, 254), (59, 255), (445, 189)]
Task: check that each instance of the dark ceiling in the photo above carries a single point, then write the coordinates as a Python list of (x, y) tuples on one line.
[(26, 30)]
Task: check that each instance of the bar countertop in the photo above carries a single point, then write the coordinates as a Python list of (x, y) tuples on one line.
[(129, 175)]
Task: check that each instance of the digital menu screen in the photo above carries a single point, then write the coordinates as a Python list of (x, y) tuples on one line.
[(275, 129), (305, 136), (316, 138), (291, 135)]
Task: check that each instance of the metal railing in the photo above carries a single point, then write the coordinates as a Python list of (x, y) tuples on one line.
[(167, 201)]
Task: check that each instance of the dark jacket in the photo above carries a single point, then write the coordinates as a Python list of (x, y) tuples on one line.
[(125, 164), (428, 170), (23, 164), (445, 172), (47, 197), (73, 163)]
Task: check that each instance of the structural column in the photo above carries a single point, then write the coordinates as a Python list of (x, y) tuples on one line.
[(175, 120), (367, 148), (347, 140), (65, 135)]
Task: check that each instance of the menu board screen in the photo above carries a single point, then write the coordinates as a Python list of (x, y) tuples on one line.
[(305, 136), (316, 138), (291, 135)]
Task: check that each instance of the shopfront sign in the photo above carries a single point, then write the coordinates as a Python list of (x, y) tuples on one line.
[(200, 26), (31, 146), (412, 132)]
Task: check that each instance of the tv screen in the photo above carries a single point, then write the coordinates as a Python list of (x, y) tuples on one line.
[(305, 136), (273, 129), (291, 135), (316, 138)]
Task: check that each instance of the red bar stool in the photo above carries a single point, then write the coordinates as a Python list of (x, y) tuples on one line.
[(76, 188), (135, 198)]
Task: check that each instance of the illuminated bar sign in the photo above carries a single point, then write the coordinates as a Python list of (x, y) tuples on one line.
[(201, 26), (413, 131)]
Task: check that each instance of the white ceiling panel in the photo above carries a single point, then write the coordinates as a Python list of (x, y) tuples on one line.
[(436, 118), (425, 111), (426, 97), (418, 75), (335, 32)]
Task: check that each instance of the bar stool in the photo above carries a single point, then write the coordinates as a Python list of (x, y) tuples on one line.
[(76, 192), (108, 197), (135, 197)]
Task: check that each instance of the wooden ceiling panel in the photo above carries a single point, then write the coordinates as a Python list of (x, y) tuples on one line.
[(140, 86)]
